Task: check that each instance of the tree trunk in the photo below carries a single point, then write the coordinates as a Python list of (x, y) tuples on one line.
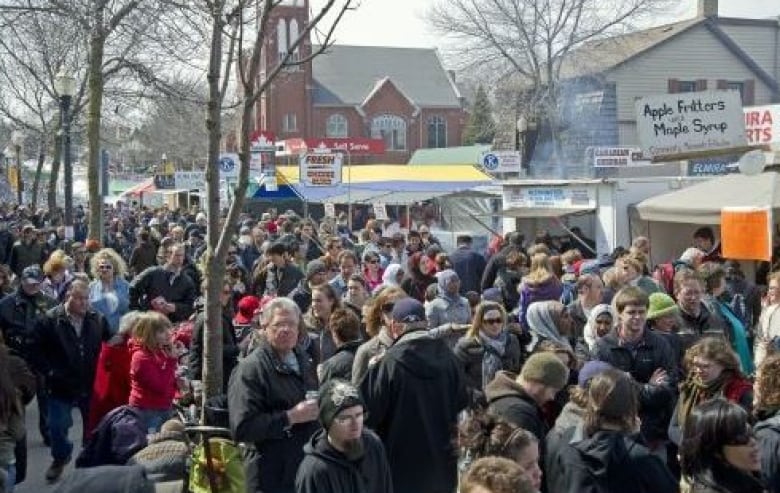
[(214, 262), (55, 171), (95, 84), (38, 169)]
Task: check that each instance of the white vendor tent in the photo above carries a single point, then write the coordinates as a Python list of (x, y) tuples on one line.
[(701, 203)]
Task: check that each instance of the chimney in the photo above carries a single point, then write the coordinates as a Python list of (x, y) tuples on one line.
[(708, 8)]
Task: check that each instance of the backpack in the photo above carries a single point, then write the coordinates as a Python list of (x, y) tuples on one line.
[(663, 275)]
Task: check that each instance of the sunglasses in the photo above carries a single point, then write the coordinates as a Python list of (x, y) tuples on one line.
[(388, 307), (106, 267), (491, 321)]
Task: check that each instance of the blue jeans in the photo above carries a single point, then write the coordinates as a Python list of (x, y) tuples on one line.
[(10, 471), (60, 421), (153, 419)]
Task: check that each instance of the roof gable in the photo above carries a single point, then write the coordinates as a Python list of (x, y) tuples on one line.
[(386, 82), (603, 55), (346, 75)]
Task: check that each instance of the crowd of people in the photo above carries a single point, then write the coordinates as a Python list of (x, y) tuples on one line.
[(377, 361)]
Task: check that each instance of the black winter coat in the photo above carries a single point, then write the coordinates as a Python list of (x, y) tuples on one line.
[(229, 348), (326, 470), (156, 281), (608, 462), (261, 390), (66, 360), (470, 351), (656, 402), (340, 364), (19, 314), (413, 397), (470, 266), (507, 399), (768, 435)]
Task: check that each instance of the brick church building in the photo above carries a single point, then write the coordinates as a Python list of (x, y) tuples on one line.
[(403, 96)]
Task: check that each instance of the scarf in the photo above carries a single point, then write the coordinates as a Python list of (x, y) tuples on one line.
[(540, 321), (494, 350), (694, 392), (443, 279), (390, 274)]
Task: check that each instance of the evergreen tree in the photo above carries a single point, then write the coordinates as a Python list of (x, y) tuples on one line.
[(480, 128)]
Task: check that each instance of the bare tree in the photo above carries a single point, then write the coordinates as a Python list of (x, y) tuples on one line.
[(529, 41), (244, 52)]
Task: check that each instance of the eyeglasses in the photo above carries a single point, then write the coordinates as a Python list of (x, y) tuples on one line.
[(491, 321)]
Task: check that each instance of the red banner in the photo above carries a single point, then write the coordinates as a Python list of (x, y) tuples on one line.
[(355, 146)]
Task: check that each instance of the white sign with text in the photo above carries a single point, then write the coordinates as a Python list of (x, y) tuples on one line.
[(692, 122)]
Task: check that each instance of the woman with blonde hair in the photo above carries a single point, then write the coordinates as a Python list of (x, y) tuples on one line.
[(58, 277), (768, 328), (109, 293), (152, 369), (540, 284), (377, 323), (486, 348)]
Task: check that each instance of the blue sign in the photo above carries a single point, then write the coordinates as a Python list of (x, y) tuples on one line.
[(226, 164), (490, 161), (718, 165)]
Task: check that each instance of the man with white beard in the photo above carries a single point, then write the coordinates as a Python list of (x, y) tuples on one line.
[(343, 457)]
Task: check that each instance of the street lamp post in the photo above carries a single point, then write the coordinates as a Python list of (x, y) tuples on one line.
[(65, 85), (17, 139)]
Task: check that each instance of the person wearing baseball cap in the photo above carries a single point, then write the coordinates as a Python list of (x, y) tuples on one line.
[(26, 251), (343, 441), (316, 275), (413, 395)]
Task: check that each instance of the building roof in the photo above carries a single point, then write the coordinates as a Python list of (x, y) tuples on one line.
[(346, 75), (601, 55), (597, 56), (464, 155)]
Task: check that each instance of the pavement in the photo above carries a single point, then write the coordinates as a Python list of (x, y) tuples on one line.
[(39, 456)]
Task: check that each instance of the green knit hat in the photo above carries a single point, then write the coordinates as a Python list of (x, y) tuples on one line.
[(547, 369), (661, 305)]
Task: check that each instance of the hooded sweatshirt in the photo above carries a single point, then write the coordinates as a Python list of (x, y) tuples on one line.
[(530, 292), (413, 397), (327, 470), (609, 462), (767, 432)]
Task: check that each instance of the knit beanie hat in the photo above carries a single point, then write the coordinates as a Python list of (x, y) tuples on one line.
[(661, 305), (335, 396), (547, 369)]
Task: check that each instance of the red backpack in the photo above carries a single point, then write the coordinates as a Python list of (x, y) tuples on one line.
[(663, 274)]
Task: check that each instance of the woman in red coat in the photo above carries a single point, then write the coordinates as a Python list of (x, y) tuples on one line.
[(112, 377), (152, 370)]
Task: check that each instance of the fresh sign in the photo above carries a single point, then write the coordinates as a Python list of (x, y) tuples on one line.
[(688, 123), (320, 169)]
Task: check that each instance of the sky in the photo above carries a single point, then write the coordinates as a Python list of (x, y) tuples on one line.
[(400, 22)]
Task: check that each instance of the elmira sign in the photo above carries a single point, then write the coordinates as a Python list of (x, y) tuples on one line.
[(673, 124)]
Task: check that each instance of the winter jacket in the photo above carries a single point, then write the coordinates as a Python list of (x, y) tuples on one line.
[(470, 352), (709, 323), (340, 364), (443, 311), (178, 289), (507, 399), (767, 432), (470, 266), (68, 361), (301, 295), (112, 380), (261, 390), (152, 377), (571, 416), (326, 470), (413, 397), (286, 279), (19, 314), (229, 348), (120, 434), (10, 433), (112, 309), (23, 255), (530, 292), (374, 346), (107, 479), (494, 265), (607, 462), (143, 256), (656, 402)]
